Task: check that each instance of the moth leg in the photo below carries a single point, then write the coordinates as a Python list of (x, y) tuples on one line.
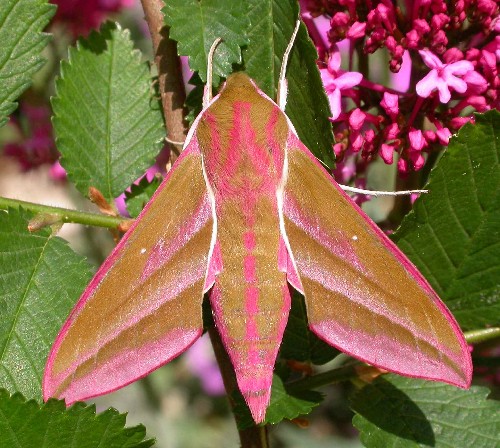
[(207, 94), (282, 84), (381, 193)]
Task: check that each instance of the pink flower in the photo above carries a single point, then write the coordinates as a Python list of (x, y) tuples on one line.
[(442, 77), (390, 103), (452, 55), (458, 122), (201, 362), (457, 41), (35, 145), (417, 140), (403, 167), (356, 140), (494, 45), (345, 170), (443, 135), (335, 81), (369, 144), (357, 119), (357, 30), (421, 26), (387, 153), (417, 143), (392, 131), (57, 172), (81, 16)]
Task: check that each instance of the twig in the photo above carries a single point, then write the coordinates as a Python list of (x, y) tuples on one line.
[(65, 215), (173, 94), (482, 335)]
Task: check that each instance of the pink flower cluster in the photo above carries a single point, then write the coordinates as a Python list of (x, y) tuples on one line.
[(82, 16), (445, 55), (35, 144)]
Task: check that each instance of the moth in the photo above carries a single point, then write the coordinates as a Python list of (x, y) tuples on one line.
[(245, 212)]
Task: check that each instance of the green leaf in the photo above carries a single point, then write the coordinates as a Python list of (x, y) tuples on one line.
[(40, 280), (108, 124), (195, 24), (140, 194), (194, 98), (402, 412), (453, 233), (26, 424), (273, 22), (22, 42), (299, 343), (283, 405)]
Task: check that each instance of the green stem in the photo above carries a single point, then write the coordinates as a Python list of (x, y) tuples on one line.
[(344, 373), (483, 335), (65, 215)]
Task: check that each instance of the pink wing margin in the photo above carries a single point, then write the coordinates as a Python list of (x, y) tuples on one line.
[(362, 294), (143, 306)]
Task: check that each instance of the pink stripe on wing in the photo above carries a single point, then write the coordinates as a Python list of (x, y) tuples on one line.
[(163, 250), (358, 295), (338, 243), (126, 367), (411, 362)]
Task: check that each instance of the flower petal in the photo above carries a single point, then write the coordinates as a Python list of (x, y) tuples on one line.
[(390, 103), (444, 91), (356, 119), (427, 84), (475, 81), (430, 59), (348, 79), (335, 103), (357, 30), (387, 153), (327, 79), (459, 68), (444, 135), (334, 60), (457, 84), (417, 140)]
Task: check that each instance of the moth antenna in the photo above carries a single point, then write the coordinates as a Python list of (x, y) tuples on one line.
[(174, 142), (372, 192), (381, 193), (207, 95), (282, 84)]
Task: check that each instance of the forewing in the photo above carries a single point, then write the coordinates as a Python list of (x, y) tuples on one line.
[(362, 294), (143, 307)]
